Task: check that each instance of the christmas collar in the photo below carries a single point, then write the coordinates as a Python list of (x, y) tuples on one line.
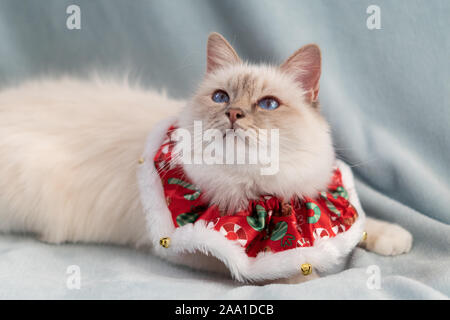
[(269, 224)]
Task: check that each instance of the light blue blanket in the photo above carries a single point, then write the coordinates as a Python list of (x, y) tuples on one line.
[(385, 91)]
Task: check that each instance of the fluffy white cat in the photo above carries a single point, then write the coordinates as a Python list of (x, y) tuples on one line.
[(69, 148)]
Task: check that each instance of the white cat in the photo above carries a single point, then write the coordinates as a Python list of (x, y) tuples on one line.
[(69, 148)]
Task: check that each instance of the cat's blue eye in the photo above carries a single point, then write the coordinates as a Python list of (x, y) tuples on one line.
[(268, 103), (220, 96)]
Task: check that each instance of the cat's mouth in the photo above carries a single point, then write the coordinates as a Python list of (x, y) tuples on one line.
[(232, 129), (235, 126)]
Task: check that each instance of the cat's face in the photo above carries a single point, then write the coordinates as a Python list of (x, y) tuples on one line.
[(246, 97), (235, 95)]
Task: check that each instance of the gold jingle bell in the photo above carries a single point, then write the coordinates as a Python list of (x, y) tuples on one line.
[(165, 242), (141, 160), (306, 269), (364, 236)]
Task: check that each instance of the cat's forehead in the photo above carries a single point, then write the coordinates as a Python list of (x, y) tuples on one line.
[(245, 83), (250, 80)]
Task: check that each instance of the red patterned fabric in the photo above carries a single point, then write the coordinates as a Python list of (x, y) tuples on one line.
[(267, 224)]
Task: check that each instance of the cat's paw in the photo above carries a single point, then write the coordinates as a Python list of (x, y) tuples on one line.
[(390, 240)]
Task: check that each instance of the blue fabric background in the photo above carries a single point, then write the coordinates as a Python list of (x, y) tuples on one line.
[(386, 93)]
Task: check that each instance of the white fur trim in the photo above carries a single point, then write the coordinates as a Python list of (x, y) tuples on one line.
[(193, 243)]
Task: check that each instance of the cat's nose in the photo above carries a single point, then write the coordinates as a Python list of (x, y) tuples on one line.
[(234, 114)]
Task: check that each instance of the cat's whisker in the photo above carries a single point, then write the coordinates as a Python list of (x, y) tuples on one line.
[(362, 163)]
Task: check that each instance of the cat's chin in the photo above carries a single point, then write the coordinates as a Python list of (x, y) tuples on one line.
[(230, 187)]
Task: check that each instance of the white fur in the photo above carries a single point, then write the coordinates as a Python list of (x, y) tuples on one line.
[(386, 238), (69, 152)]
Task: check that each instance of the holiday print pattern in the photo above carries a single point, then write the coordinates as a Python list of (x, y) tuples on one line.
[(268, 224)]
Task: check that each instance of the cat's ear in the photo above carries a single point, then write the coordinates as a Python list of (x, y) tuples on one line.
[(305, 65), (219, 53)]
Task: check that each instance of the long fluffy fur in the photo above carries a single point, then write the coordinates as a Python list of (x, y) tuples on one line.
[(69, 151)]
